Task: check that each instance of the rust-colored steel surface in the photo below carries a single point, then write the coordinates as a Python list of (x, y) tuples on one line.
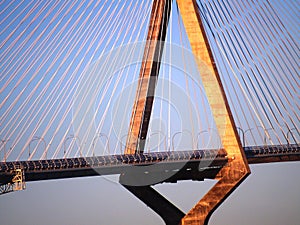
[(237, 170), (148, 76)]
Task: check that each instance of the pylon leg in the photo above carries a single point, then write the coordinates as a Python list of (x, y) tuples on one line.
[(237, 170), (231, 176), (142, 108), (159, 204)]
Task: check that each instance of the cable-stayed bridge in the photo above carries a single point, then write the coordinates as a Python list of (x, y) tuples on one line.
[(156, 91)]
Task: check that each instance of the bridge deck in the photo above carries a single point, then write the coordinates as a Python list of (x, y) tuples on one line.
[(178, 165)]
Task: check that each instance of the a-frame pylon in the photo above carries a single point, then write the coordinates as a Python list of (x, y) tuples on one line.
[(237, 169)]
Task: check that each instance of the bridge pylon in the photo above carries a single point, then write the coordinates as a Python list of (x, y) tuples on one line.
[(237, 169)]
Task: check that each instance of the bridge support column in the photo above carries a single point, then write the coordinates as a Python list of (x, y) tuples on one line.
[(159, 204), (142, 108), (237, 170)]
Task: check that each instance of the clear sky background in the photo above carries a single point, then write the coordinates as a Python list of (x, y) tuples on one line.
[(32, 54)]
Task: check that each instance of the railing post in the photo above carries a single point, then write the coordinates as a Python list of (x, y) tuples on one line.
[(35, 138), (72, 137), (99, 135)]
